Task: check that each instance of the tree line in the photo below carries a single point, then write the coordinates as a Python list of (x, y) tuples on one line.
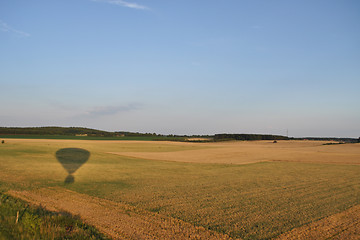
[(73, 131), (68, 131), (247, 137)]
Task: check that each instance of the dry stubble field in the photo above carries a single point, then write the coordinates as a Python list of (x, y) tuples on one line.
[(172, 190)]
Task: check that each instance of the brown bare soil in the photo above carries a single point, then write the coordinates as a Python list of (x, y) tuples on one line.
[(344, 225), (118, 220), (259, 151)]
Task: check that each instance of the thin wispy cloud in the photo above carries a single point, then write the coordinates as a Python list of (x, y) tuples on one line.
[(6, 28), (124, 4), (112, 110)]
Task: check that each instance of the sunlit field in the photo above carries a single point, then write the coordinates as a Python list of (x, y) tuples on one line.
[(247, 190)]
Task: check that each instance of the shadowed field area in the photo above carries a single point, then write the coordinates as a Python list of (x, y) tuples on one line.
[(211, 191), (21, 220)]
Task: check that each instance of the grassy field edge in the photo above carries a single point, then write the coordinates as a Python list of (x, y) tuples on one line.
[(21, 220)]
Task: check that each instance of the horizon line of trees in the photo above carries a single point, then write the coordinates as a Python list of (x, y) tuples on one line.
[(345, 140), (72, 131), (248, 137)]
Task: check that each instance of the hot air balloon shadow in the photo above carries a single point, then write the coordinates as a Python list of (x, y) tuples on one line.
[(72, 159)]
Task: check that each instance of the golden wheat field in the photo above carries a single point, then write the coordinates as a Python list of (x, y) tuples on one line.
[(173, 190)]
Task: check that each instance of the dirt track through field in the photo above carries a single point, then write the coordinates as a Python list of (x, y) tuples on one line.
[(117, 220), (344, 225)]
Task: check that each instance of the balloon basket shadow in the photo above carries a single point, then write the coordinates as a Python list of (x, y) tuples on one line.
[(69, 179), (72, 159)]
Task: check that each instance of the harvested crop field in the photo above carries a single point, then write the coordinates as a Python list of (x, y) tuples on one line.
[(259, 151), (142, 190), (344, 225)]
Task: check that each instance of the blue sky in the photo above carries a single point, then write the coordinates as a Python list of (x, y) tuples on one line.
[(182, 67)]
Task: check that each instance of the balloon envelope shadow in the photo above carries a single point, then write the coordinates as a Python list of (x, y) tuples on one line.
[(72, 159)]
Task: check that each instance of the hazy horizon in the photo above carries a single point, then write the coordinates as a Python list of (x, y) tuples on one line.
[(182, 67)]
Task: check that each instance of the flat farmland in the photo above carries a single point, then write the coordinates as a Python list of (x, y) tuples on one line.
[(259, 151), (173, 190)]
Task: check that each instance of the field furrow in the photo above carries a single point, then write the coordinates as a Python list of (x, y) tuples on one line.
[(344, 225)]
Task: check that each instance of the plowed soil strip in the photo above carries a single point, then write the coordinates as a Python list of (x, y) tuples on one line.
[(344, 225), (118, 220)]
